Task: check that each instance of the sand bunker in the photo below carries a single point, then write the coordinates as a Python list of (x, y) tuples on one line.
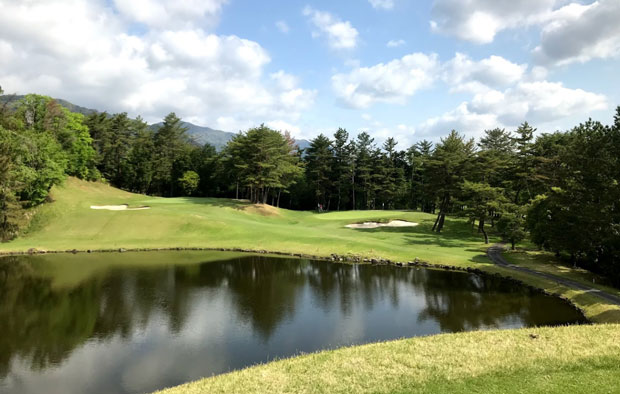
[(391, 223), (123, 207)]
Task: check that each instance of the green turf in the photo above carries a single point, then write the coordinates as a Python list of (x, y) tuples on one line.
[(573, 359), (69, 223), (559, 360)]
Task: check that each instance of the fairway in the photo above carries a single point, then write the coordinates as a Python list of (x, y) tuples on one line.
[(70, 223)]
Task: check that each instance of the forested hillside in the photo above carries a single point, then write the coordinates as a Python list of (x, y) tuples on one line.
[(562, 189)]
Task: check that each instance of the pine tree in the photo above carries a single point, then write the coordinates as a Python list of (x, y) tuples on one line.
[(170, 142), (115, 149), (523, 165), (319, 159), (421, 194), (450, 162), (364, 157), (342, 167)]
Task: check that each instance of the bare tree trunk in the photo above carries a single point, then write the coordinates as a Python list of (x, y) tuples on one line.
[(442, 219), (436, 222), (339, 195), (279, 192), (237, 192), (481, 229), (265, 194), (441, 216), (353, 190)]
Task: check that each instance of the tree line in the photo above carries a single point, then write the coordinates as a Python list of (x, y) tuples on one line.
[(561, 188)]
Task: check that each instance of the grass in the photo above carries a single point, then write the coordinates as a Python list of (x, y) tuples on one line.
[(546, 262), (595, 308), (69, 223), (566, 359), (558, 360)]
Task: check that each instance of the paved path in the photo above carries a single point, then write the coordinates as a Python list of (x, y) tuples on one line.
[(495, 254)]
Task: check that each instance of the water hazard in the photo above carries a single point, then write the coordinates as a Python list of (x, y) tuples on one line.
[(137, 322)]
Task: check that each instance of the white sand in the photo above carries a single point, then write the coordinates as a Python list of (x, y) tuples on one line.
[(123, 207), (392, 223)]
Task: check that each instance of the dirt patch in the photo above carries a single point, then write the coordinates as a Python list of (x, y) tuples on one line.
[(391, 223), (122, 207), (262, 209)]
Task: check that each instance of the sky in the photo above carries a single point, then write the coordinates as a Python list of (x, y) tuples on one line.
[(410, 69)]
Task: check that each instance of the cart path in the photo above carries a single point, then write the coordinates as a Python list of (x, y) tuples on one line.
[(495, 254)]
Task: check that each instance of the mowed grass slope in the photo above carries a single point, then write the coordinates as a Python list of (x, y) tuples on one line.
[(574, 359), (69, 223)]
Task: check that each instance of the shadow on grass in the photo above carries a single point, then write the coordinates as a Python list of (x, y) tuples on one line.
[(610, 316), (457, 233), (218, 202)]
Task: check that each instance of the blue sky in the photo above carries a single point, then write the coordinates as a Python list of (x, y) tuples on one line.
[(311, 67)]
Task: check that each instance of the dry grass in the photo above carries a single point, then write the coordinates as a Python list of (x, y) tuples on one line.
[(564, 359), (262, 209)]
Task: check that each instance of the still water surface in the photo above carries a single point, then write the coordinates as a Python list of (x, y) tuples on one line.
[(137, 322)]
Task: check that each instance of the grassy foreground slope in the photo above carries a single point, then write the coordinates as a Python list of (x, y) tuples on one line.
[(573, 359), (69, 223)]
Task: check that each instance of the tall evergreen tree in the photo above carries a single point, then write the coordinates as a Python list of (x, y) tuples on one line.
[(342, 167), (524, 163), (364, 154), (170, 142), (319, 160), (421, 194), (116, 144), (450, 162)]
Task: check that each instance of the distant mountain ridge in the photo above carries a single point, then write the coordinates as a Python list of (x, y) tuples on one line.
[(203, 135), (70, 106), (200, 134)]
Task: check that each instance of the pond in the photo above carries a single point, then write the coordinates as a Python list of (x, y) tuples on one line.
[(137, 322)]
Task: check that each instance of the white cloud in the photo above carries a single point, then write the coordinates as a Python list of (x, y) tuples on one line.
[(171, 13), (340, 35), (539, 103), (395, 43), (480, 20), (382, 4), (391, 82), (570, 33), (283, 27), (283, 126), (465, 74), (460, 119), (579, 33), (86, 56)]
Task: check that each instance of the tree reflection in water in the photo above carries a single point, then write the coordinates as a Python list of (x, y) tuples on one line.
[(286, 305)]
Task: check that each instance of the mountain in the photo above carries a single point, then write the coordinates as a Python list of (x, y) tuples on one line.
[(204, 135), (13, 98), (218, 138), (201, 134)]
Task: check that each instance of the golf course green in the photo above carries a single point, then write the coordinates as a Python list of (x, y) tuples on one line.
[(562, 359)]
